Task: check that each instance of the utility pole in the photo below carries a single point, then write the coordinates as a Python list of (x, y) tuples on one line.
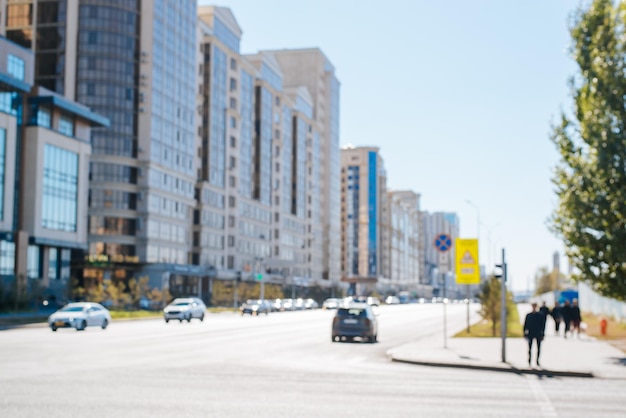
[(503, 329)]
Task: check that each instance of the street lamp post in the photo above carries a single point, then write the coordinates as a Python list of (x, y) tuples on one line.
[(478, 238), (489, 246)]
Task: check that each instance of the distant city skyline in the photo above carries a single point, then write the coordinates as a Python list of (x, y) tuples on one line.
[(459, 96)]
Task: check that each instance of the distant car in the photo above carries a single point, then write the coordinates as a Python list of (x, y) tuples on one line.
[(356, 320), (185, 309), (392, 300), (288, 305), (255, 307), (331, 303), (80, 315), (372, 301), (311, 304)]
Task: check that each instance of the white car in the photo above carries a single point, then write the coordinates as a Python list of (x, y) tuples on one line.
[(185, 309), (80, 315)]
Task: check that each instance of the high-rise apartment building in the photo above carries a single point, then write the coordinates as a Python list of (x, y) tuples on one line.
[(262, 189), (206, 164), (310, 70), (403, 236), (44, 164), (363, 217), (135, 63), (439, 267)]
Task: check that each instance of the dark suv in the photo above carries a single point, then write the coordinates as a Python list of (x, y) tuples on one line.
[(357, 320)]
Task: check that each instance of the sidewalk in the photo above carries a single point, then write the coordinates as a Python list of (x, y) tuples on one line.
[(581, 356)]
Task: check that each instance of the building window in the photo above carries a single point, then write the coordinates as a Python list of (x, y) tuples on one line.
[(7, 258), (233, 122), (60, 189), (233, 64), (53, 264), (33, 262), (3, 136), (15, 67), (66, 125), (66, 258), (44, 117), (233, 84)]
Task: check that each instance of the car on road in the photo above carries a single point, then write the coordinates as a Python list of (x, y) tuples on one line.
[(392, 300), (373, 301), (185, 309), (331, 303), (255, 307), (80, 315), (356, 320)]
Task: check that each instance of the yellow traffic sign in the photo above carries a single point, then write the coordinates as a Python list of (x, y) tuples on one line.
[(467, 267)]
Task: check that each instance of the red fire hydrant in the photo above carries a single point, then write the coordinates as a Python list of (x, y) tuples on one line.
[(603, 324)]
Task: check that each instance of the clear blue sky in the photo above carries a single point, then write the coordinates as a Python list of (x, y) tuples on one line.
[(459, 96)]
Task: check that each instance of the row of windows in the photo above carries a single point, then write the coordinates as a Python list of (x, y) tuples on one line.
[(165, 254), (42, 116), (103, 225), (60, 189), (16, 67), (166, 231), (112, 173), (112, 199), (3, 137)]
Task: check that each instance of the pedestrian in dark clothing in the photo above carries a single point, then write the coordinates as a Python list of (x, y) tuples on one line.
[(575, 317), (534, 329), (558, 318), (566, 313), (544, 309)]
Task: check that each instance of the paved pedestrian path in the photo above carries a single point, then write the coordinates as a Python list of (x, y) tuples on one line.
[(575, 356)]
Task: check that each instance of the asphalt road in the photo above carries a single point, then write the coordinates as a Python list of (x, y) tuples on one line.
[(280, 365)]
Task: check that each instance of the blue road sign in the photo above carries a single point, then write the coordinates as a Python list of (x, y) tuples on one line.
[(443, 242)]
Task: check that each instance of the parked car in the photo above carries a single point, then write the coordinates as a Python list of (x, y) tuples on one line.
[(80, 315), (288, 305), (392, 300), (255, 307), (331, 303), (373, 301), (356, 320), (311, 304), (185, 309), (276, 305)]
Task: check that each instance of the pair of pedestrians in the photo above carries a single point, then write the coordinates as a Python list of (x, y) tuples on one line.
[(569, 316)]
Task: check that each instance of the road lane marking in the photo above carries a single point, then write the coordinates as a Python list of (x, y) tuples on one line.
[(545, 406)]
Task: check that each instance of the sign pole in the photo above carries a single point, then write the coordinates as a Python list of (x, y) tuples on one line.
[(468, 311), (445, 321), (503, 308), (443, 243)]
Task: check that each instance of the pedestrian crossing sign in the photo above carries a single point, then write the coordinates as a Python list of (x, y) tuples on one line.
[(467, 267)]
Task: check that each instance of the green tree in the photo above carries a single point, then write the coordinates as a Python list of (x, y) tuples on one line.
[(489, 296), (590, 178), (547, 281), (138, 288), (491, 301)]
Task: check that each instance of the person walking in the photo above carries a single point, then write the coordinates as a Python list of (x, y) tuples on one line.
[(534, 329), (575, 317), (566, 313), (544, 309), (558, 318)]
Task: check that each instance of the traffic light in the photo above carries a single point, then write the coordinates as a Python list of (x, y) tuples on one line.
[(259, 277), (498, 274), (238, 276)]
